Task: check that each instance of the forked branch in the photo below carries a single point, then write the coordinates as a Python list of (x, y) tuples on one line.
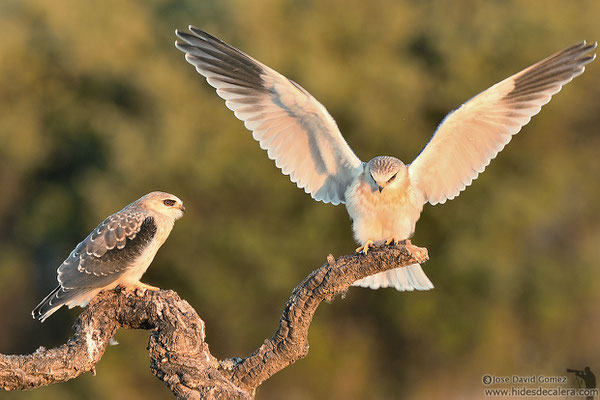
[(179, 355)]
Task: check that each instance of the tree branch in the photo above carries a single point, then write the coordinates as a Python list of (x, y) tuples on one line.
[(179, 356)]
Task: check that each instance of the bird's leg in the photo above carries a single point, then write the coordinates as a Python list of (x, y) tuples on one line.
[(365, 247), (147, 287), (140, 288), (391, 240)]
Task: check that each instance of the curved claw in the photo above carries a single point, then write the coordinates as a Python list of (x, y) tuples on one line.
[(140, 288), (395, 241), (391, 240), (365, 247)]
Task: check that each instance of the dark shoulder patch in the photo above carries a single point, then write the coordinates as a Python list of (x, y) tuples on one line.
[(92, 271), (133, 247)]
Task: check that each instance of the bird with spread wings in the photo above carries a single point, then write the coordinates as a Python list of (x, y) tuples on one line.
[(384, 197), (117, 252)]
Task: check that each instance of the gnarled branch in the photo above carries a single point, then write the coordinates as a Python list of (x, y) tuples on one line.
[(179, 356)]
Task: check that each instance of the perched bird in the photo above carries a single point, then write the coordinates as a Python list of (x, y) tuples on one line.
[(384, 197), (117, 252)]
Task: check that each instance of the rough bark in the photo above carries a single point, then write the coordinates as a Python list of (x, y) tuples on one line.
[(179, 356)]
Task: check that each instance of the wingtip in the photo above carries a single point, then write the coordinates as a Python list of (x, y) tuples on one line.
[(593, 47), (200, 33), (588, 47), (180, 46), (207, 37), (188, 57)]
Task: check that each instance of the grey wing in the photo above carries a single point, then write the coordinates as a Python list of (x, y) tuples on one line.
[(291, 125), (108, 251), (468, 138), (99, 260)]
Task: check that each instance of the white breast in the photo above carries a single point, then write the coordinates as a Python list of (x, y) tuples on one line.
[(377, 216), (134, 273)]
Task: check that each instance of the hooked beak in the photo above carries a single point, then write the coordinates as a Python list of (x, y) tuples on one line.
[(380, 188), (182, 208)]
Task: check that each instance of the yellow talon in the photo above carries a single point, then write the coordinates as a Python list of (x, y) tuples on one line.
[(365, 247), (140, 288), (395, 241), (147, 287)]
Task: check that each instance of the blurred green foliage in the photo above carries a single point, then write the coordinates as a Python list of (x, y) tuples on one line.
[(97, 108)]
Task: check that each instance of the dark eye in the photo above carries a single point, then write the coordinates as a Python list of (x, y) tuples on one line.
[(393, 177), (169, 203)]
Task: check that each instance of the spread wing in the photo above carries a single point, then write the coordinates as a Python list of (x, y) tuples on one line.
[(468, 138), (108, 251), (291, 125)]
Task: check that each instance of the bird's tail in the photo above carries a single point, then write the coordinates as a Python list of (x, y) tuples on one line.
[(403, 279), (47, 306), (55, 300)]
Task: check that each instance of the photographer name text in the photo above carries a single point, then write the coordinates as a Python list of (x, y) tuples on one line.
[(489, 379)]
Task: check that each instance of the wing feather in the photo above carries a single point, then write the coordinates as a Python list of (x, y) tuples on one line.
[(109, 250), (471, 136), (292, 126)]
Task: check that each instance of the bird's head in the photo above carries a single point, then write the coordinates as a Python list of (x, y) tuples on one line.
[(164, 203), (386, 171)]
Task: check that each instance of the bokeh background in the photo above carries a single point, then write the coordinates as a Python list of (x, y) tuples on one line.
[(97, 108)]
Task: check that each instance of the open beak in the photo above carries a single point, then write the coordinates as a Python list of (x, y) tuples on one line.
[(380, 188)]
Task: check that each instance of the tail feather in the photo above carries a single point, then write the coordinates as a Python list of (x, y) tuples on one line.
[(47, 306), (402, 279), (55, 300)]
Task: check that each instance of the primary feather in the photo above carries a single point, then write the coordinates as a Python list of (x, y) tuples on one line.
[(291, 125), (468, 138)]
